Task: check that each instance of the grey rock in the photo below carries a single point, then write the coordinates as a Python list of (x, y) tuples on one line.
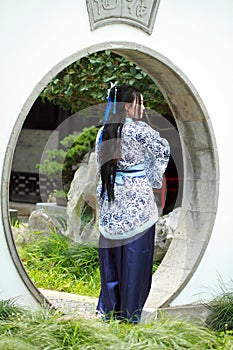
[(82, 193), (165, 228), (41, 221)]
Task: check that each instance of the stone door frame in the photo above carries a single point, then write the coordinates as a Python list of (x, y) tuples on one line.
[(201, 170)]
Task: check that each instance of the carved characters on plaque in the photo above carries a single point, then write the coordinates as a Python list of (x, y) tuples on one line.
[(139, 13)]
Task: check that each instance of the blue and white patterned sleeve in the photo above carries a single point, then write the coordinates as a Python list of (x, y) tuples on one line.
[(157, 153)]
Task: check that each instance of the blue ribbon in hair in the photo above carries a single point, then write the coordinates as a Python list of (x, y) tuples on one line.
[(108, 108), (114, 106), (107, 111)]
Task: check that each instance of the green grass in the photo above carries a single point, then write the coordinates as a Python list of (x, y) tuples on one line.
[(221, 309), (9, 309), (46, 329), (54, 262)]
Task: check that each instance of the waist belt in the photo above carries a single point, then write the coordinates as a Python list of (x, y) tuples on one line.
[(133, 171)]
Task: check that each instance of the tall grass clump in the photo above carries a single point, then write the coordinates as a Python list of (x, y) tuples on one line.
[(46, 329), (55, 262), (221, 310), (9, 309), (172, 333)]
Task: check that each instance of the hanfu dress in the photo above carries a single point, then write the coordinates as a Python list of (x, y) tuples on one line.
[(127, 225)]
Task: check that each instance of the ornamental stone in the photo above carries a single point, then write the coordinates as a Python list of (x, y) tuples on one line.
[(139, 13)]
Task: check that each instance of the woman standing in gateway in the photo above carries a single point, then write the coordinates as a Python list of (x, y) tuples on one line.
[(131, 159)]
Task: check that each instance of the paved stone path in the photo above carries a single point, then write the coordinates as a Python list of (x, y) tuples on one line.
[(78, 305), (72, 304)]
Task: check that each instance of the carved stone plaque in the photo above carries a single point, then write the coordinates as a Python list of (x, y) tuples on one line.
[(139, 13)]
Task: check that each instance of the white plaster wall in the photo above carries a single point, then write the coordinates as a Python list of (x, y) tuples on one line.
[(195, 35)]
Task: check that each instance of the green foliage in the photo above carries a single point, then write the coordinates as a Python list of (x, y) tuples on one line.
[(171, 333), (155, 266), (82, 144), (221, 312), (61, 164), (86, 216), (9, 309), (84, 83), (54, 262), (15, 223), (46, 329)]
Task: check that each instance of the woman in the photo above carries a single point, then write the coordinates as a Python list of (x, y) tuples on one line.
[(131, 159)]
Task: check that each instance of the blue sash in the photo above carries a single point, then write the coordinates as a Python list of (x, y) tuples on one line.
[(131, 171)]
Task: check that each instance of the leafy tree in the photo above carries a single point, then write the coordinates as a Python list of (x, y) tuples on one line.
[(84, 83)]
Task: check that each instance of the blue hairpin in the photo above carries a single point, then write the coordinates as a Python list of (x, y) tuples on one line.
[(108, 108), (107, 111), (114, 106), (109, 105)]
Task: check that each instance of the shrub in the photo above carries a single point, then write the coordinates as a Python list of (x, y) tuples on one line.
[(62, 163)]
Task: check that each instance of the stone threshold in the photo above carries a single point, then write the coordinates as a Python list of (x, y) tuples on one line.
[(86, 305)]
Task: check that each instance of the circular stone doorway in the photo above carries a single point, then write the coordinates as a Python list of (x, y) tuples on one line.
[(201, 174)]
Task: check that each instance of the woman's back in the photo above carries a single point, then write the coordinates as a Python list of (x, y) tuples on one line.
[(144, 156)]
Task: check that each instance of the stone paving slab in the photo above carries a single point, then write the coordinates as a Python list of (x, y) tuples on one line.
[(84, 306), (72, 304)]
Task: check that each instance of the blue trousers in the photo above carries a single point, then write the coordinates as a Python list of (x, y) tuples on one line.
[(126, 273)]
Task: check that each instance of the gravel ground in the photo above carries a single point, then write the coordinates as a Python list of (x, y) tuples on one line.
[(72, 304)]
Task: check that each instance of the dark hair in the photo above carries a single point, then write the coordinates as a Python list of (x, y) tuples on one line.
[(110, 151)]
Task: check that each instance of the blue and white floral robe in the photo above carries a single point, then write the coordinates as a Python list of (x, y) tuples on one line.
[(134, 208)]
